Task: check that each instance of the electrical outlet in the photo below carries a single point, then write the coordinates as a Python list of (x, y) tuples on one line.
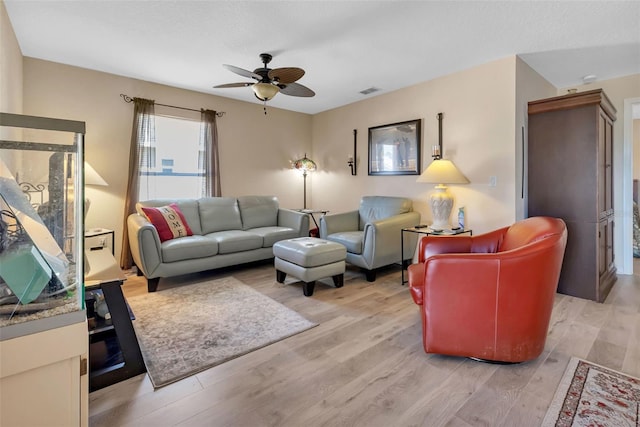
[(103, 242), (493, 181)]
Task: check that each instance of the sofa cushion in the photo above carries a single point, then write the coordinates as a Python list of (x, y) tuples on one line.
[(258, 211), (271, 235), (191, 247), (219, 214), (168, 221), (231, 241), (352, 240), (373, 208), (188, 207)]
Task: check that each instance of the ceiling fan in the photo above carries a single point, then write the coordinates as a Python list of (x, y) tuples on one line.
[(270, 81)]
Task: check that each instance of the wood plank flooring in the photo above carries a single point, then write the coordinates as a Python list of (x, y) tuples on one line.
[(364, 364)]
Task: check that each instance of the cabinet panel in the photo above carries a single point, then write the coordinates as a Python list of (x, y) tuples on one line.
[(558, 154), (571, 177), (580, 264)]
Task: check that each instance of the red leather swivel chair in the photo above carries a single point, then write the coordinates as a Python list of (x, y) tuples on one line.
[(489, 296)]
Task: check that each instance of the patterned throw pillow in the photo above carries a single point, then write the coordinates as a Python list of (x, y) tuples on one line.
[(169, 221)]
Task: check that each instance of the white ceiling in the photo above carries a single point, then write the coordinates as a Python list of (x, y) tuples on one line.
[(344, 46)]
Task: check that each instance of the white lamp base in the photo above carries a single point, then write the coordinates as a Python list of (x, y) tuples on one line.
[(441, 203)]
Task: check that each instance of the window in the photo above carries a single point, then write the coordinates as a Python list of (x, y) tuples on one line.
[(171, 165)]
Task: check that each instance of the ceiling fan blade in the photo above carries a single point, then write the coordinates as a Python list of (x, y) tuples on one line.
[(232, 85), (286, 75), (242, 72), (296, 89)]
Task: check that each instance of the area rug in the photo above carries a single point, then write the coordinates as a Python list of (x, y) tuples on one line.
[(592, 395), (190, 328)]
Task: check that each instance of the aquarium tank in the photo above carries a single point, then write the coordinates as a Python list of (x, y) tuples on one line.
[(41, 223)]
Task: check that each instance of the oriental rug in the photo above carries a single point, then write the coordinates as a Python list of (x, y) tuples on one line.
[(592, 395), (187, 329)]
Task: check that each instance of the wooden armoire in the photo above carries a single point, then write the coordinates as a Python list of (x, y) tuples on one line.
[(570, 176)]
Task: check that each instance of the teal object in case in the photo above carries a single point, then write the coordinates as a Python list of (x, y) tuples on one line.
[(25, 271)]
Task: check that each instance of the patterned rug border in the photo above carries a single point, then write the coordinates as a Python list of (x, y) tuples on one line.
[(562, 399), (156, 375)]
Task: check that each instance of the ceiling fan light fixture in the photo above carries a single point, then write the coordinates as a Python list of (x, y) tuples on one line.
[(265, 91)]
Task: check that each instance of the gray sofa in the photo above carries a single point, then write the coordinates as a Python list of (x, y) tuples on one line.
[(226, 231), (372, 233)]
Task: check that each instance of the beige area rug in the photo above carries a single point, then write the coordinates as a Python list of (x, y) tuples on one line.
[(190, 328), (592, 395)]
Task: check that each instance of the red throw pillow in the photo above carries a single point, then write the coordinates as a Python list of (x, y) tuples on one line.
[(169, 221)]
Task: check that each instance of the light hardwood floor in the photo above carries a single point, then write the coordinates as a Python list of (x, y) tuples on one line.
[(364, 364)]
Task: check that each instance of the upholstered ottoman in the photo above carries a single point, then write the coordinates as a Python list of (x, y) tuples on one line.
[(310, 259)]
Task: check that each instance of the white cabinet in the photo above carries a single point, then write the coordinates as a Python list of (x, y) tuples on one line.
[(43, 378)]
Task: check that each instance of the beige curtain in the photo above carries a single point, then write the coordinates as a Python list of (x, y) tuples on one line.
[(143, 132), (209, 135)]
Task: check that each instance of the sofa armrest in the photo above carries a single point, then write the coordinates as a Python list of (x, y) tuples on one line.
[(293, 219), (346, 221), (381, 241), (144, 242)]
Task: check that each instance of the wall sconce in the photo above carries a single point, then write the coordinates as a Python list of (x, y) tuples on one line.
[(351, 161), (436, 150)]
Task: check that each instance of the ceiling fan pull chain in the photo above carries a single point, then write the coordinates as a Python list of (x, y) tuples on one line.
[(265, 107)]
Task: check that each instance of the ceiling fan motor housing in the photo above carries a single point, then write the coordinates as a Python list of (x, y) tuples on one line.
[(270, 82)]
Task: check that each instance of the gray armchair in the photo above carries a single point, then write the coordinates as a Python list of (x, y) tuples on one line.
[(372, 233)]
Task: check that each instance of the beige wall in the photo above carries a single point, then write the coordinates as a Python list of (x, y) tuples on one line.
[(478, 135), (636, 149), (255, 149), (484, 110), (10, 66), (530, 86)]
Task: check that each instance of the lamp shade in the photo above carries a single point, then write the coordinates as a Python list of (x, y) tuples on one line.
[(442, 171), (91, 177), (305, 164), (265, 91)]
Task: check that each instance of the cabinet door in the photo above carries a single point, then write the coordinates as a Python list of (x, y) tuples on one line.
[(605, 246), (605, 166), (608, 176)]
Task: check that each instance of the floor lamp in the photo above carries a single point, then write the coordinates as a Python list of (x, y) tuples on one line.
[(305, 165)]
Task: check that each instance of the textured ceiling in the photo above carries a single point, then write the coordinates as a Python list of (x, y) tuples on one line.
[(344, 46)]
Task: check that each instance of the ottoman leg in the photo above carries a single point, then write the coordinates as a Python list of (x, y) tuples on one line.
[(280, 276), (338, 280), (307, 288)]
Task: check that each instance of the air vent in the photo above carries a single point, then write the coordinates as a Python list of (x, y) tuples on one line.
[(369, 90)]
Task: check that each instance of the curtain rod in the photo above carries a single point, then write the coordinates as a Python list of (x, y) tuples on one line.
[(128, 99)]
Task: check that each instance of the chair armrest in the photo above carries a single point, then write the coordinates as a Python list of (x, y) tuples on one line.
[(346, 221), (464, 273), (144, 242), (381, 241), (435, 245), (455, 283), (483, 243), (293, 219), (416, 282)]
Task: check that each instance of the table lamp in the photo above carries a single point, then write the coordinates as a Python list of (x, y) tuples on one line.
[(91, 177), (441, 172)]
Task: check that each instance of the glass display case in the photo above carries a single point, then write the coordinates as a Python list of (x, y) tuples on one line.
[(41, 224)]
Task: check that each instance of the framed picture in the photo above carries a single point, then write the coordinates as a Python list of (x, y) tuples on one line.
[(395, 149)]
